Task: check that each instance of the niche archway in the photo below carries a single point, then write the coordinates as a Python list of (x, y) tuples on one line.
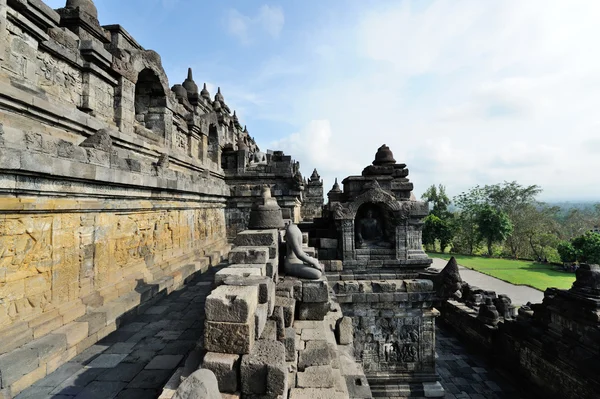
[(150, 102), (213, 145), (373, 229)]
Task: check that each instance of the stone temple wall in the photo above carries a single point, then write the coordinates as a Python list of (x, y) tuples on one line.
[(111, 185)]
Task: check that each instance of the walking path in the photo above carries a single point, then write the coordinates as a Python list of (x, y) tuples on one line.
[(519, 294), (136, 360)]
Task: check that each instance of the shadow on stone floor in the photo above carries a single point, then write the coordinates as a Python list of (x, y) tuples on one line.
[(465, 374), (137, 359)]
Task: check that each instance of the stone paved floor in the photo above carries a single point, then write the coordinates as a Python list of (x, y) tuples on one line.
[(466, 375), (519, 294), (136, 360)]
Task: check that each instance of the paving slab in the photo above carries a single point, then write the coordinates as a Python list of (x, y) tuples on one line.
[(136, 360)]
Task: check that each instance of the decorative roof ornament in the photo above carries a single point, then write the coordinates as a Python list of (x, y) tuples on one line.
[(180, 92), (189, 84), (336, 187), (219, 96), (384, 156), (315, 176), (204, 93)]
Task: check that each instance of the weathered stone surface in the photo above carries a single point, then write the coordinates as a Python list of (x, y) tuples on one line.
[(289, 341), (235, 338), (289, 309), (260, 318), (344, 331), (316, 377), (259, 238), (250, 255), (264, 370), (315, 291), (226, 369), (316, 393), (316, 353), (312, 311), (266, 288), (221, 275), (234, 304), (201, 384)]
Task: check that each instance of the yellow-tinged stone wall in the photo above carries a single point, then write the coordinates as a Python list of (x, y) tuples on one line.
[(49, 259)]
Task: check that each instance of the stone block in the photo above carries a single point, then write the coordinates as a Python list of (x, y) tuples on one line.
[(266, 288), (235, 338), (261, 267), (48, 346), (315, 377), (312, 311), (221, 275), (316, 353), (328, 243), (270, 331), (316, 393), (289, 341), (290, 288), (358, 386), (344, 331), (250, 255), (333, 265), (233, 304), (201, 383), (260, 318), (259, 238), (75, 332), (264, 371), (289, 309), (226, 369), (278, 317), (16, 364), (315, 291), (418, 285)]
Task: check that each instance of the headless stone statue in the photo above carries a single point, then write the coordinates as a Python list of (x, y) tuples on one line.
[(297, 262), (369, 233)]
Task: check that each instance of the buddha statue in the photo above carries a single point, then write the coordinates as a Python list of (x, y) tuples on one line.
[(297, 262), (369, 232)]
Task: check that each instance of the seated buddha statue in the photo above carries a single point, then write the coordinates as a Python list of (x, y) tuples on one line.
[(369, 232), (297, 262)]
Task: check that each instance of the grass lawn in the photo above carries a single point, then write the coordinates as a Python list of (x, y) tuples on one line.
[(518, 272)]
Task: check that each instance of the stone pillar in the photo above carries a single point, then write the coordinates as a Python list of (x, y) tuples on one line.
[(401, 247), (3, 32), (348, 250), (124, 105), (203, 151)]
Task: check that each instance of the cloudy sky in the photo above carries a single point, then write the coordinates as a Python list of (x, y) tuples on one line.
[(464, 91)]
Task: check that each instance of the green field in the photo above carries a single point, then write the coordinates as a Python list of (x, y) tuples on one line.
[(518, 272)]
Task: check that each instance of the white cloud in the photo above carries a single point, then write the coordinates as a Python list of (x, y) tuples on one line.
[(507, 90), (268, 20)]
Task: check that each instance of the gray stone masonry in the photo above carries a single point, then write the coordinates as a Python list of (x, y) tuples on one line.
[(233, 304)]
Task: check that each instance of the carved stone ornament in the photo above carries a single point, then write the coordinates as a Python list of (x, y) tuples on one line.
[(375, 195), (206, 120)]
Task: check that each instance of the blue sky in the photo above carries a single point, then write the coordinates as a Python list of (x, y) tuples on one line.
[(464, 91)]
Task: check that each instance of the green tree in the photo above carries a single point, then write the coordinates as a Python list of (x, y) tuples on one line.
[(439, 198), (493, 225), (587, 247), (439, 229), (567, 252), (519, 204), (468, 203)]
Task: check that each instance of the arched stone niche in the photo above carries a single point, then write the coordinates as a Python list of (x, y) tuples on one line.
[(214, 150), (150, 102), (373, 227)]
